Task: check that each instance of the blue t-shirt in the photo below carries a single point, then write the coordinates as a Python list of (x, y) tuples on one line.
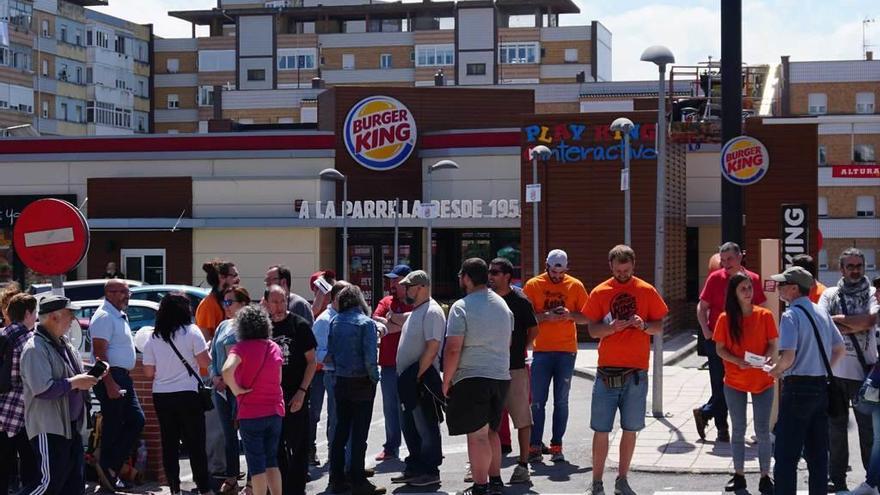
[(796, 334), (321, 329), (110, 324)]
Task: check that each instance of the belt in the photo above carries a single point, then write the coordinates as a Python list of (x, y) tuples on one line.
[(120, 369), (805, 379)]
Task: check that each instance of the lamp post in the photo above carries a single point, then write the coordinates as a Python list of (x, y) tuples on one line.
[(624, 125), (661, 56), (543, 153), (441, 165), (333, 175)]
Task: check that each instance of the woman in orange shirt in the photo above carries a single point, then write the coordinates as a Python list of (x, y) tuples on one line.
[(746, 338)]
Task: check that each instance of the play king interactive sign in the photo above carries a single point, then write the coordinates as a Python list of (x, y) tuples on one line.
[(744, 161), (380, 133)]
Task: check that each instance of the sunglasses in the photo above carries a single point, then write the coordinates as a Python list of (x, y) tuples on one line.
[(228, 302)]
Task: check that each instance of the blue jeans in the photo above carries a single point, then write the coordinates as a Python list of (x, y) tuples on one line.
[(227, 409), (802, 428), (122, 420), (716, 407), (737, 401), (261, 438), (316, 404), (352, 428), (391, 409), (330, 388), (422, 434), (873, 477), (558, 367)]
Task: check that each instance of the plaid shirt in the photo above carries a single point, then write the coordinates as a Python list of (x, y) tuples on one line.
[(12, 402)]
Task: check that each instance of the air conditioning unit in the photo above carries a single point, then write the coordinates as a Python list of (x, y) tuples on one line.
[(278, 4)]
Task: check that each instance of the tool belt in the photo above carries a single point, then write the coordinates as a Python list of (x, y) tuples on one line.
[(614, 377)]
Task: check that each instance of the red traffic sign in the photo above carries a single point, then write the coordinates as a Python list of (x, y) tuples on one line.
[(51, 236)]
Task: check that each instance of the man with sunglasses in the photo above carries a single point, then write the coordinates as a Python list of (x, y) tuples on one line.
[(559, 301), (853, 308)]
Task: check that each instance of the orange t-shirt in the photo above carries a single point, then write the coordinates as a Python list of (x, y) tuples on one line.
[(757, 330), (612, 300), (209, 314), (556, 336), (816, 292)]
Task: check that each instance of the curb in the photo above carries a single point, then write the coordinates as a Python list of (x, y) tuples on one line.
[(675, 358)]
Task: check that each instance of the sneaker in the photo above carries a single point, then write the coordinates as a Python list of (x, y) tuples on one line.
[(506, 449), (404, 478), (556, 453), (104, 479), (596, 488), (468, 475), (765, 486), (424, 480), (369, 472), (496, 487), (837, 487), (122, 485), (385, 456), (864, 489), (367, 488), (621, 487), (700, 423), (723, 436), (737, 483), (545, 449), (535, 454), (474, 489), (520, 474)]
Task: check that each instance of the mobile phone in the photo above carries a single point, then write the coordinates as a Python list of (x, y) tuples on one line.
[(98, 369), (323, 285), (559, 310)]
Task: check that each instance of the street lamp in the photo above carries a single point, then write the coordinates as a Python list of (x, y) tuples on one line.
[(331, 174), (544, 154), (661, 56), (441, 165), (624, 125)]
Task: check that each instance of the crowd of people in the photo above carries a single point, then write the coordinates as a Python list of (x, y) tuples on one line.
[(254, 372)]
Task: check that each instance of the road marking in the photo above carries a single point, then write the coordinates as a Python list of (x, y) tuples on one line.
[(48, 237)]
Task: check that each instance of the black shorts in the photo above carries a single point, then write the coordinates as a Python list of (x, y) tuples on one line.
[(474, 403)]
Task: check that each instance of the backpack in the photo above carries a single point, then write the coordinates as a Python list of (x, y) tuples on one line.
[(7, 347)]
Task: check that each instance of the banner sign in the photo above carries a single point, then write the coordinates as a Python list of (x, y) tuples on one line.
[(795, 232), (444, 208)]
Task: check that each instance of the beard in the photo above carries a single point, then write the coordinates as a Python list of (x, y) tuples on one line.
[(623, 280)]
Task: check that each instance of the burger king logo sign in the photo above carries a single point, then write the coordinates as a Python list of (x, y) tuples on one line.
[(744, 160), (379, 133)]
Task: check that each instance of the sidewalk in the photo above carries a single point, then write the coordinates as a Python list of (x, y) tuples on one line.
[(670, 444)]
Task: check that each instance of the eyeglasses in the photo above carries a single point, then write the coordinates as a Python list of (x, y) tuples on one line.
[(854, 267), (228, 302)]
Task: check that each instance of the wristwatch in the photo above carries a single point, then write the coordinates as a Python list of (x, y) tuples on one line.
[(644, 325)]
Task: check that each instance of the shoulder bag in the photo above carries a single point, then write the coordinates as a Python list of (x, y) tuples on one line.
[(838, 402), (204, 392)]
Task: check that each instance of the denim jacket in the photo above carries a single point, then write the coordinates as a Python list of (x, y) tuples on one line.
[(352, 345)]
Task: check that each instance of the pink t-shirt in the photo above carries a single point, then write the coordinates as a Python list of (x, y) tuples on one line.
[(259, 370)]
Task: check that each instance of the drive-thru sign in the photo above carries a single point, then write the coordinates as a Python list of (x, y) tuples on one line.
[(51, 236)]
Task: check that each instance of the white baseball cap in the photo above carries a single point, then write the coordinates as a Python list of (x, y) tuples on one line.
[(557, 258)]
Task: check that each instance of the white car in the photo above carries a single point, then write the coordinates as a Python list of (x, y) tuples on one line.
[(140, 314)]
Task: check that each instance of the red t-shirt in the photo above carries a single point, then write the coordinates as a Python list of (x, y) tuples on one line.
[(388, 344), (758, 329), (715, 291), (259, 370)]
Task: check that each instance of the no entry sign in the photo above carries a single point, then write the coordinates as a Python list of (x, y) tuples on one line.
[(51, 236)]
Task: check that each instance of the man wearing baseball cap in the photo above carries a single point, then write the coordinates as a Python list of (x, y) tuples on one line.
[(559, 301), (55, 398), (802, 429), (392, 312)]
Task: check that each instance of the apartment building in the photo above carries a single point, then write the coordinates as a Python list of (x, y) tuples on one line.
[(72, 71), (265, 62), (840, 96)]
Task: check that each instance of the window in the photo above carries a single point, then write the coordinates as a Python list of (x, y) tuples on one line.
[(173, 65), (45, 110), (818, 103), (823, 207), (518, 53), (64, 111), (476, 69), (79, 75), (348, 61), (385, 61), (863, 153), (296, 58), (62, 33), (102, 39), (108, 114), (571, 55), (63, 72), (216, 60), (142, 123), (285, 120), (173, 101), (44, 28), (256, 74), (142, 91), (90, 75), (206, 96), (865, 206), (434, 55), (146, 265), (119, 44), (203, 127), (79, 114), (79, 37), (823, 259), (865, 102), (870, 259), (823, 155), (44, 69)]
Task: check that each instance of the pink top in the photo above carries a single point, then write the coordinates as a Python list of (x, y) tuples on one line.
[(260, 371)]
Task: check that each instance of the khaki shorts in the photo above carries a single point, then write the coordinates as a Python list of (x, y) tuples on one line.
[(517, 402)]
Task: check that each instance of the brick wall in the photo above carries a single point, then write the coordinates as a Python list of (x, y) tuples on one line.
[(187, 62), (839, 147), (842, 200), (841, 96), (675, 274)]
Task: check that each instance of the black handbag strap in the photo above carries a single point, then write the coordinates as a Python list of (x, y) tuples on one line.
[(818, 341), (184, 361)]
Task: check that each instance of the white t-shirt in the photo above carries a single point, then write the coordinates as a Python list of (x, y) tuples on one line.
[(171, 374)]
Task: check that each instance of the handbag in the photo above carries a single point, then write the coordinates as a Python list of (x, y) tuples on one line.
[(838, 401), (205, 394)]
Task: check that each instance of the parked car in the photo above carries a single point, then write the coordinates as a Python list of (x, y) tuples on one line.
[(140, 314), (155, 293), (80, 290)]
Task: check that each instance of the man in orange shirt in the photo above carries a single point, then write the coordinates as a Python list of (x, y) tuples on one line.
[(623, 311), (559, 300), (806, 262)]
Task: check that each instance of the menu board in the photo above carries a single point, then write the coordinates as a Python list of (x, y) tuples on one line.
[(361, 269)]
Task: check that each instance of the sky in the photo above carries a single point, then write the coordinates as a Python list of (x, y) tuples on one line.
[(803, 29)]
